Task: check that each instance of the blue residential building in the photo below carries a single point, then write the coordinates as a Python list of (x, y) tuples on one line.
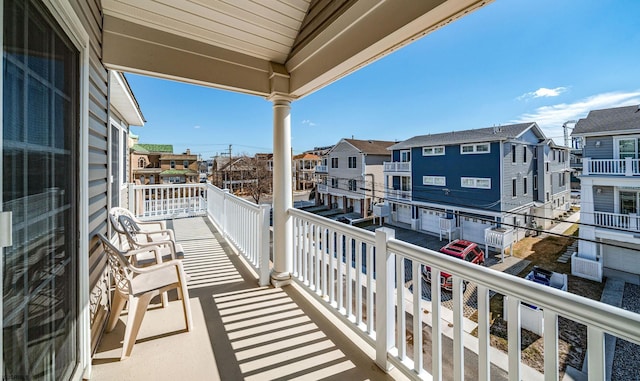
[(462, 183)]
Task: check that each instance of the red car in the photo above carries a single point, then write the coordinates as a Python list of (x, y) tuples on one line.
[(465, 250)]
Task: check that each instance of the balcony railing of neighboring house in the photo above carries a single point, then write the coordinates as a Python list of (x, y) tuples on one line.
[(323, 188), (397, 166), (321, 168), (399, 194), (629, 222), (347, 269), (353, 273), (617, 167), (499, 238), (161, 201)]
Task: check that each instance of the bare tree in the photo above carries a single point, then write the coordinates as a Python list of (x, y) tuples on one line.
[(260, 177)]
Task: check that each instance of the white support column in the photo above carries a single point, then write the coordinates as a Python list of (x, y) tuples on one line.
[(586, 245), (282, 192)]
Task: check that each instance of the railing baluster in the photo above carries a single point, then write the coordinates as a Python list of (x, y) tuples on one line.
[(417, 317), (458, 325), (551, 372), (484, 341), (596, 358), (318, 257), (369, 298), (401, 308), (349, 248), (332, 265), (513, 337), (436, 325), (359, 275), (322, 248), (341, 254)]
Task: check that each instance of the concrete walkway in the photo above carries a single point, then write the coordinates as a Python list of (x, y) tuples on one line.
[(561, 227)]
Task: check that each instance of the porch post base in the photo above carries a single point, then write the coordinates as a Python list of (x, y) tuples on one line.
[(279, 280)]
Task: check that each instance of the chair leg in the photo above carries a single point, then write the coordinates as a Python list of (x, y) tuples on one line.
[(186, 306), (137, 309), (116, 309)]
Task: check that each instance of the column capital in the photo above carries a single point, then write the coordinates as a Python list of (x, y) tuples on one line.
[(281, 99)]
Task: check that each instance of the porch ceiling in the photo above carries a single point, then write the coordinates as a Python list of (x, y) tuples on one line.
[(264, 48)]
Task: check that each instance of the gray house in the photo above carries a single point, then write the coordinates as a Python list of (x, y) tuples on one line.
[(610, 195), (351, 175)]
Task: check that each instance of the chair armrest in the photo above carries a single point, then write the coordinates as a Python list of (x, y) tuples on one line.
[(159, 244), (149, 233), (149, 269), (157, 225), (155, 249)]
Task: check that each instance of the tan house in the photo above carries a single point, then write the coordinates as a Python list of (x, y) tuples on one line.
[(304, 170), (157, 164)]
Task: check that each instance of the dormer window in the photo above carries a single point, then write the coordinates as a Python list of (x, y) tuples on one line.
[(142, 162)]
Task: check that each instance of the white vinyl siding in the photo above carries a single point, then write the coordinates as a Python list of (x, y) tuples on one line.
[(434, 180), (475, 182)]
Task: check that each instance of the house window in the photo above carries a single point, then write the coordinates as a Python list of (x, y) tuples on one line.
[(142, 179), (352, 162), (334, 182), (628, 148), (475, 182), (475, 148), (535, 153), (434, 180), (405, 183), (352, 185), (535, 182), (524, 154), (334, 162), (185, 164), (405, 156), (514, 191), (525, 186), (152, 179), (513, 153), (546, 166), (547, 197), (433, 151), (172, 164), (629, 202), (141, 162)]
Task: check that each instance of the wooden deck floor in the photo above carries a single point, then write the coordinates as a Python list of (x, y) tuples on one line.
[(242, 331)]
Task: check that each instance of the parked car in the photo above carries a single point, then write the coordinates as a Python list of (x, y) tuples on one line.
[(461, 249)]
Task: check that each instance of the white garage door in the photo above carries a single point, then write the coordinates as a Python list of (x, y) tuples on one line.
[(356, 206), (430, 220), (473, 229), (620, 258), (339, 201), (404, 213)]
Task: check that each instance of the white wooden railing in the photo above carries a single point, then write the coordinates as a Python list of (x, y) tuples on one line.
[(323, 188), (630, 222), (398, 194), (619, 167), (245, 225), (397, 166), (586, 267), (333, 262), (321, 168), (161, 201)]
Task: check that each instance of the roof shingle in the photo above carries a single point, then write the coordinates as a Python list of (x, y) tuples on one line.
[(371, 147), (609, 120)]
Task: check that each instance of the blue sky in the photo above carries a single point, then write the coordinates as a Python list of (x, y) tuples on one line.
[(546, 61)]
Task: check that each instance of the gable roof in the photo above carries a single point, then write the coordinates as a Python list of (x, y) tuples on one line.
[(371, 147), (306, 156), (152, 148), (487, 134), (609, 120)]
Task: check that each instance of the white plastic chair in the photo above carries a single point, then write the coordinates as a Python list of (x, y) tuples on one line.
[(116, 212), (138, 286)]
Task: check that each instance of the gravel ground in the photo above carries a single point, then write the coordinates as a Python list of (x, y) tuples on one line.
[(626, 361)]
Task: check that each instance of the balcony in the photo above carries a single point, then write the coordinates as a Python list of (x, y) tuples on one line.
[(612, 167), (397, 194), (397, 166), (628, 222), (326, 324), (323, 188), (321, 169)]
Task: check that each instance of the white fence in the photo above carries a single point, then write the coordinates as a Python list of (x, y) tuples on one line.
[(334, 263), (397, 166), (586, 268), (245, 225), (161, 201)]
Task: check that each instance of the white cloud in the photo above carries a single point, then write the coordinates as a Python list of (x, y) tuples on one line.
[(543, 92), (196, 127), (308, 123), (551, 118)]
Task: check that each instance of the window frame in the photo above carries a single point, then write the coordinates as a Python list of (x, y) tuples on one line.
[(475, 181), (475, 148), (172, 164), (353, 185), (335, 162), (514, 187), (352, 162), (435, 181), (514, 152), (525, 185), (432, 150)]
